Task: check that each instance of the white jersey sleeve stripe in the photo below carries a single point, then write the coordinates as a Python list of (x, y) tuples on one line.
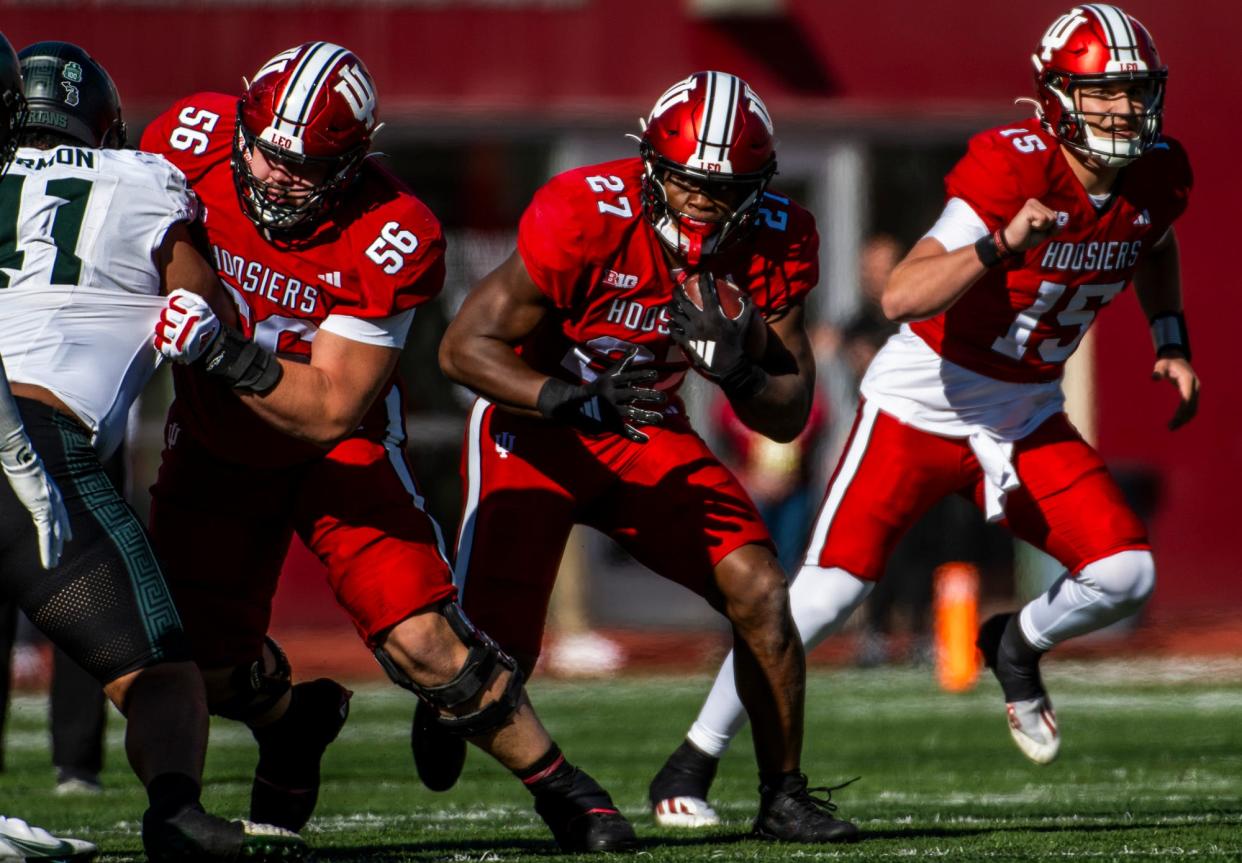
[(389, 332), (958, 226)]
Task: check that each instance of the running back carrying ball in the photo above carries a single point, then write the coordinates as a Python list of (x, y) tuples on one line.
[(733, 303)]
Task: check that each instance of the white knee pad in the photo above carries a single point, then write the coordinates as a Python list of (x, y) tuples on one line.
[(1104, 592), (1126, 578)]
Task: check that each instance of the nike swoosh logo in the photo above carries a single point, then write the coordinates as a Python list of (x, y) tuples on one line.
[(41, 849)]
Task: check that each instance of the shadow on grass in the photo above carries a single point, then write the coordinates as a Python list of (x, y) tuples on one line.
[(482, 849)]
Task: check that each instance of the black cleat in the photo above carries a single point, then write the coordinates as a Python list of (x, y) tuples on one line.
[(1032, 721), (678, 793), (791, 813), (583, 818), (439, 755), (195, 836), (286, 780)]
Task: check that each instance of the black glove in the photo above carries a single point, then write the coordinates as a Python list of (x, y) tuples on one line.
[(246, 366), (608, 403), (715, 343)]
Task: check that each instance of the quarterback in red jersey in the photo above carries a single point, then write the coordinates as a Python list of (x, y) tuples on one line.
[(577, 345), (294, 422), (1045, 222)]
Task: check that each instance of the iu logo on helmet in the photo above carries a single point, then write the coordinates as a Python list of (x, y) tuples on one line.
[(277, 63), (1060, 31), (358, 92), (675, 95)]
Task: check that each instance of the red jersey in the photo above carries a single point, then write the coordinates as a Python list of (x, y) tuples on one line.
[(377, 253), (1020, 322), (590, 250)]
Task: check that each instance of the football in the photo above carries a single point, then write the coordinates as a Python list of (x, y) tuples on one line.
[(731, 298)]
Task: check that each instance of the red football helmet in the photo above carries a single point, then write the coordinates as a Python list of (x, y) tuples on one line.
[(1098, 44), (711, 128), (312, 105)]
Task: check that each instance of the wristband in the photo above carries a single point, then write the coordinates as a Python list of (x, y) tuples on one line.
[(744, 381), (245, 365), (988, 251), (1169, 333), (1002, 247)]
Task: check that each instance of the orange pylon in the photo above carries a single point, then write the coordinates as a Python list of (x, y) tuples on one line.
[(956, 615)]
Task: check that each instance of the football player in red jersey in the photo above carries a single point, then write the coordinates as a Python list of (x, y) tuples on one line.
[(577, 345), (271, 434), (1045, 222)]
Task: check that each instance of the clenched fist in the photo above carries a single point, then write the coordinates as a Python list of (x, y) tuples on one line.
[(1033, 224)]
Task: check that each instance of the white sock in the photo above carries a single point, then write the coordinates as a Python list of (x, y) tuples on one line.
[(821, 600), (1103, 592)]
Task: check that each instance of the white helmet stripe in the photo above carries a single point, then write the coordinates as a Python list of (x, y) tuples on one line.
[(1122, 44), (308, 79), (719, 116)]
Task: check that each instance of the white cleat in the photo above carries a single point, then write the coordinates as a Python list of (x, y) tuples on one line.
[(1033, 725), (685, 812), (20, 841)]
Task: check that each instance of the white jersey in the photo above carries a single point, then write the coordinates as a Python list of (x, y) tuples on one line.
[(911, 382), (79, 288)]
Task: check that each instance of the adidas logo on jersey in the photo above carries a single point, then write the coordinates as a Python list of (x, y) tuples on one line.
[(591, 409), (333, 278), (705, 348), (1143, 218)]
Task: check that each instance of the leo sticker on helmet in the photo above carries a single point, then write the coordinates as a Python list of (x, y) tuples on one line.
[(72, 71)]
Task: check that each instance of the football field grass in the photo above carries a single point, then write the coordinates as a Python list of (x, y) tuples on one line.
[(1150, 769)]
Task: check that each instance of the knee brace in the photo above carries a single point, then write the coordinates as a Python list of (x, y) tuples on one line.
[(255, 688), (482, 658)]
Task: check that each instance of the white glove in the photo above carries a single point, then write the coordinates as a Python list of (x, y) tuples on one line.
[(187, 327), (39, 494)]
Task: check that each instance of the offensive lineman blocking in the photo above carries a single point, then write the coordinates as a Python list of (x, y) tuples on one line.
[(1046, 221), (295, 422)]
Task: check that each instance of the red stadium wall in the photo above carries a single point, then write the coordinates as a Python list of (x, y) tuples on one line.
[(888, 60)]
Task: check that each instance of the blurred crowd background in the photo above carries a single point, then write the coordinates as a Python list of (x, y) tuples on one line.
[(873, 102)]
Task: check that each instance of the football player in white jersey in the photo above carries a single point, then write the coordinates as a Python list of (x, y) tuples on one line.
[(33, 487), (91, 237), (21, 464)]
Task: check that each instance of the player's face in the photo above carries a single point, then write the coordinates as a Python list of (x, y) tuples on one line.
[(1115, 109), (706, 202), (286, 182)]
